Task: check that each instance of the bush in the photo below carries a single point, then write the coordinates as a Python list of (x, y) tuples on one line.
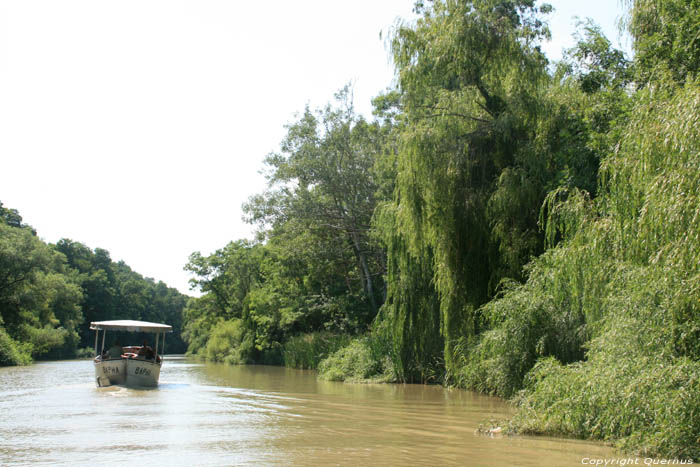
[(361, 360), (552, 315), (51, 343), (229, 343), (85, 353), (13, 353), (633, 390), (623, 285), (635, 386), (308, 350)]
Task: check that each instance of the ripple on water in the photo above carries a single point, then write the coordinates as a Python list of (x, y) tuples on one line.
[(218, 415)]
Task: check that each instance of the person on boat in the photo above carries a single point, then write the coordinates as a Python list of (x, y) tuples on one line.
[(115, 351), (146, 351)]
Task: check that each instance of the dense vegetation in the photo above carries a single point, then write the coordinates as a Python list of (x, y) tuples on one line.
[(50, 293), (316, 267), (506, 224)]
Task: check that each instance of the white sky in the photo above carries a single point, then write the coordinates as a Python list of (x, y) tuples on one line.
[(139, 126)]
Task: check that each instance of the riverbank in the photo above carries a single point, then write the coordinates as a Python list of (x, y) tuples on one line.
[(526, 234), (582, 401)]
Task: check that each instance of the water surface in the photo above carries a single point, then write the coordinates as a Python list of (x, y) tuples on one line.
[(214, 415)]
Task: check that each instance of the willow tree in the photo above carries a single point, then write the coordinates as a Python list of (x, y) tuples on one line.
[(627, 272), (470, 177), (665, 38)]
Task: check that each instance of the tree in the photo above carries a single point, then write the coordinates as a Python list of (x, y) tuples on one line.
[(113, 291), (322, 182), (22, 256), (48, 293), (10, 217), (470, 176), (38, 301), (228, 275), (666, 39)]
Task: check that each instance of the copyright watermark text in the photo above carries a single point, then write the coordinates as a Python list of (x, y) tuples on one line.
[(634, 461)]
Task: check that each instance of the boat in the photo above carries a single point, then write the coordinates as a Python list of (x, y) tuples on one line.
[(132, 366)]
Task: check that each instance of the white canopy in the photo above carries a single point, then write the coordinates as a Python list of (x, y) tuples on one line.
[(129, 325)]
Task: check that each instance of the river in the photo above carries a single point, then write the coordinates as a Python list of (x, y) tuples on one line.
[(52, 413)]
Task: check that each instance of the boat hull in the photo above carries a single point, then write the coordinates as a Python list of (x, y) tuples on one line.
[(132, 372), (142, 373), (109, 372)]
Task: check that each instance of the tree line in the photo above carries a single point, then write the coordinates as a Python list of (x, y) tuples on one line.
[(504, 223), (49, 293), (407, 225)]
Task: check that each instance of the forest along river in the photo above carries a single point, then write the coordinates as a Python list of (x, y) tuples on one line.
[(207, 414)]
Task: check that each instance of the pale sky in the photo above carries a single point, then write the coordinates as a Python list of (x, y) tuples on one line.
[(140, 126)]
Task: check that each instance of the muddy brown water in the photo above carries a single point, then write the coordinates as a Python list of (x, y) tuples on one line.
[(215, 415)]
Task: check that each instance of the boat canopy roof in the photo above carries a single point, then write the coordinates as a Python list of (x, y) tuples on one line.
[(131, 326)]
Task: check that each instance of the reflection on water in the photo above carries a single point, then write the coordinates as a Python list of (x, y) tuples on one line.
[(52, 414)]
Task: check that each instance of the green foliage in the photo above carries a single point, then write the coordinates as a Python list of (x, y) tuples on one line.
[(113, 291), (632, 389), (228, 275), (594, 63), (321, 190), (229, 343), (410, 319), (45, 339), (22, 256), (610, 312), (199, 316), (48, 292), (85, 353), (481, 162), (308, 350), (665, 38), (12, 352), (38, 298), (361, 360), (487, 134), (317, 269), (545, 317), (622, 288), (12, 218)]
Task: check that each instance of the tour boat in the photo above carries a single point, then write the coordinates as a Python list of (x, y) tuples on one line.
[(133, 365)]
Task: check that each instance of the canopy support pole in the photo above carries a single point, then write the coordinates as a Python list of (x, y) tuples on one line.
[(155, 354)]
